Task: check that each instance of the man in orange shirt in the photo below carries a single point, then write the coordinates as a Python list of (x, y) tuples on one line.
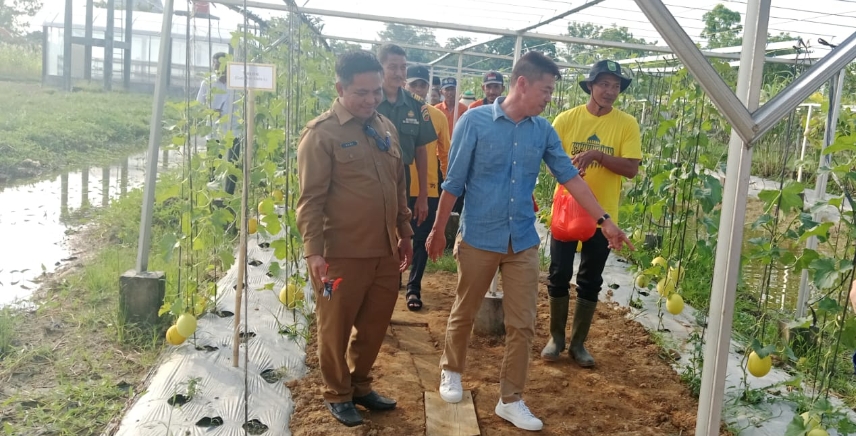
[(449, 88), (493, 86)]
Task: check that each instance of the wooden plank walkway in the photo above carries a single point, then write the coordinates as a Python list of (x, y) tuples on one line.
[(446, 419)]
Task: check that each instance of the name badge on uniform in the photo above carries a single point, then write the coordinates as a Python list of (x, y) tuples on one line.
[(410, 121), (349, 144)]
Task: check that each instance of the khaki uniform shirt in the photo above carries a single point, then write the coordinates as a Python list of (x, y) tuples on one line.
[(352, 201)]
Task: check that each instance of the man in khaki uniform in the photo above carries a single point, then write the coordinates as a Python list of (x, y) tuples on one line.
[(353, 216)]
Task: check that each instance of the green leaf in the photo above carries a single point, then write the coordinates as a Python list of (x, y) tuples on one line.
[(762, 351), (710, 195), (848, 334), (272, 224), (185, 223), (227, 259), (280, 248), (171, 192), (796, 427), (770, 198), (836, 201), (167, 246), (792, 196), (824, 273), (787, 258), (275, 269), (795, 382), (828, 305), (806, 259), (846, 426), (821, 231), (842, 143)]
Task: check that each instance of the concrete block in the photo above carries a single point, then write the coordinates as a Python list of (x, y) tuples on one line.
[(490, 319), (141, 296), (452, 230)]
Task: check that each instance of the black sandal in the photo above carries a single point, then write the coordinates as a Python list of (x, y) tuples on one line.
[(414, 304)]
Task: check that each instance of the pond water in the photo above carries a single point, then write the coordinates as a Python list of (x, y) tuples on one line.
[(36, 218)]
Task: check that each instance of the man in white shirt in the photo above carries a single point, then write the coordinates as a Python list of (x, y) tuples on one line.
[(214, 94)]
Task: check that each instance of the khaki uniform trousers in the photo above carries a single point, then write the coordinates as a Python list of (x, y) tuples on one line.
[(476, 269), (352, 324)]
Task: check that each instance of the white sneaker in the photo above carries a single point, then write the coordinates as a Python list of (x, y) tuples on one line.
[(450, 386), (518, 414)]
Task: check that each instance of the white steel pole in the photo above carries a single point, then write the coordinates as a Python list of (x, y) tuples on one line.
[(805, 140), (518, 47), (836, 84), (155, 129), (727, 266)]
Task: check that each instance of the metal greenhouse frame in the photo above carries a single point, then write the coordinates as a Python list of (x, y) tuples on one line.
[(741, 109)]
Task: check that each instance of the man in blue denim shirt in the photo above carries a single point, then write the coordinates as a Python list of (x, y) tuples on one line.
[(496, 154)]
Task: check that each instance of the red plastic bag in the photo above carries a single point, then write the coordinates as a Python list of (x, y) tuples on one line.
[(570, 221)]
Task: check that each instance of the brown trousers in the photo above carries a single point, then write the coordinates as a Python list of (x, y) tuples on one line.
[(352, 324), (476, 269)]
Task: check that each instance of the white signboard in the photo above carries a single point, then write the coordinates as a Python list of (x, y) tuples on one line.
[(260, 77)]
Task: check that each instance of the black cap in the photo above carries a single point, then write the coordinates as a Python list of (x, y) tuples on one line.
[(417, 72), (608, 67), (435, 81), (492, 77)]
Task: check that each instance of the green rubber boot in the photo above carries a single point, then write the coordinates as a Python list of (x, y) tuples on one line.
[(558, 322), (579, 331)]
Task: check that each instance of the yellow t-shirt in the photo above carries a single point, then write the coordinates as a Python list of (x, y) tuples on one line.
[(615, 134), (438, 155)]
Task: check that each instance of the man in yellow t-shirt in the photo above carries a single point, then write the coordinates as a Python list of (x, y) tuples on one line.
[(438, 162), (604, 144)]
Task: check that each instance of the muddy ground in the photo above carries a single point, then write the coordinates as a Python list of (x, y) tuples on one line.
[(632, 391)]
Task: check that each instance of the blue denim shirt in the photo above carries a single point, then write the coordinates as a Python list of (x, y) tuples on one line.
[(498, 162)]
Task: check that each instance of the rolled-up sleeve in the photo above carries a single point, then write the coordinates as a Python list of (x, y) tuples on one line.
[(464, 138), (314, 169), (557, 160)]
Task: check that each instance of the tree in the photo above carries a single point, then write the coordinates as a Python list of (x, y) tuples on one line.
[(721, 27), (404, 34), (588, 54), (12, 13), (458, 41)]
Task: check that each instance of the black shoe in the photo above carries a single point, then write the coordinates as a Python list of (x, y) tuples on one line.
[(345, 413), (375, 401)]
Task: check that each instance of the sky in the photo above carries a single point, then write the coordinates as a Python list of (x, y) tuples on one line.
[(832, 20)]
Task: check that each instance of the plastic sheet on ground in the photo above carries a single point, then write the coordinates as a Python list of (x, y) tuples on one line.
[(201, 368)]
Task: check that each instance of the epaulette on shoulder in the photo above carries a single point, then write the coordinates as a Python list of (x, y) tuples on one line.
[(324, 116), (413, 96)]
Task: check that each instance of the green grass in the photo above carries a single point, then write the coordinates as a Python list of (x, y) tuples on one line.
[(8, 326), (75, 363), (20, 63), (445, 263), (59, 129)]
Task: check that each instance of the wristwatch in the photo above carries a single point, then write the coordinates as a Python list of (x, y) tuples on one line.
[(602, 219)]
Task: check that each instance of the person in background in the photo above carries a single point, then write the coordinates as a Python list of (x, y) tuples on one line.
[(438, 157), (352, 214), (214, 95), (449, 89), (606, 147), (411, 120), (493, 85), (497, 155), (467, 98), (435, 96)]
